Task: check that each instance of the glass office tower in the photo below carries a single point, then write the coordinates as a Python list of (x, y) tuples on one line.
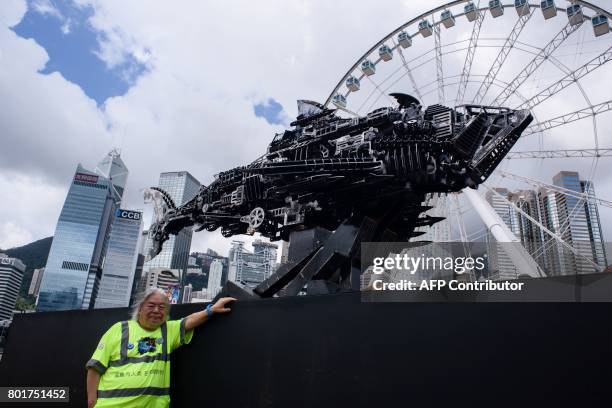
[(119, 264), (252, 268), (501, 266), (73, 267), (580, 224), (182, 187)]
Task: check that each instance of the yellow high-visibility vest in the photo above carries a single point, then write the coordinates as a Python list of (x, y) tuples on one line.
[(134, 363)]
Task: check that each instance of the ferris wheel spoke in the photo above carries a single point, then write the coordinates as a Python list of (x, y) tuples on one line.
[(382, 93), (567, 80), (501, 57), (535, 63), (439, 69), (496, 82), (568, 118), (377, 87), (469, 58), (559, 154), (408, 71)]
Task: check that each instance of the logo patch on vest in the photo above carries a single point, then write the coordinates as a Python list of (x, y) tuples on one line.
[(146, 345)]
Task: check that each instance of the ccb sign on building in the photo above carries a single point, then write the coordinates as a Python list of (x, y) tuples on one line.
[(128, 214)]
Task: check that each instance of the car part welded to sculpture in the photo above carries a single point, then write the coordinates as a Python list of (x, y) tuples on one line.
[(362, 179)]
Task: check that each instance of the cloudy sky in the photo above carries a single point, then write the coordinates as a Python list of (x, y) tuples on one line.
[(203, 86)]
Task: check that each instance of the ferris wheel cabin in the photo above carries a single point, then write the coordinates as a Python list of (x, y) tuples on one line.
[(600, 25), (403, 38), (385, 53), (339, 100), (496, 8), (574, 14), (368, 67), (425, 28), (522, 7), (447, 18), (471, 12), (352, 84), (549, 9)]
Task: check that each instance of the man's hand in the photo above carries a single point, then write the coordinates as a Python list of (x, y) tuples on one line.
[(219, 306), (195, 319)]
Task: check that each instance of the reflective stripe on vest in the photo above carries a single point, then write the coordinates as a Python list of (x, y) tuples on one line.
[(183, 321), (134, 360), (164, 330), (133, 392), (125, 336)]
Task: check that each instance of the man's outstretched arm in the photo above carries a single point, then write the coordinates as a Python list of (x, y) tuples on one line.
[(195, 319), (93, 381)]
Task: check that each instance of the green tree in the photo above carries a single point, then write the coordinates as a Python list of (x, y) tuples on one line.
[(23, 304)]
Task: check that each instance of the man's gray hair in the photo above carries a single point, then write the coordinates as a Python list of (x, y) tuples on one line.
[(144, 297)]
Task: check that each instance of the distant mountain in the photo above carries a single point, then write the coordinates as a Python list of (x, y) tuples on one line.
[(34, 255)]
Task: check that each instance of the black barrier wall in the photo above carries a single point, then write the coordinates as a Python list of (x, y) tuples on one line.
[(335, 351)]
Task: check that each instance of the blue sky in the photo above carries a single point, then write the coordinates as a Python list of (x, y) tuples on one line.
[(63, 30), (271, 111)]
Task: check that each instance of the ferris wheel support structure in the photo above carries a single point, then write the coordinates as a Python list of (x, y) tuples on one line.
[(543, 228), (502, 234)]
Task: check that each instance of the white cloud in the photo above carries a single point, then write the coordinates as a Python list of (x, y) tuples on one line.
[(45, 7), (13, 235), (28, 205), (66, 27), (12, 12)]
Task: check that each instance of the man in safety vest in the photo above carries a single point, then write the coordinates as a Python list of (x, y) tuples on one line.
[(131, 365)]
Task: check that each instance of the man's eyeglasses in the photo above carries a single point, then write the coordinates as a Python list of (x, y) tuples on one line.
[(152, 306)]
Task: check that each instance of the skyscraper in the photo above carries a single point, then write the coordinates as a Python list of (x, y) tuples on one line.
[(162, 278), (187, 293), (500, 265), (11, 274), (580, 225), (267, 252), (252, 268), (530, 234), (35, 282), (214, 277), (182, 187), (73, 267), (120, 260), (548, 256)]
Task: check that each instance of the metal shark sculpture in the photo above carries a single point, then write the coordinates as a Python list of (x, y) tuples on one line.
[(327, 169)]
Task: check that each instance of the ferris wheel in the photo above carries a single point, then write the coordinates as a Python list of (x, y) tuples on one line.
[(547, 56)]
